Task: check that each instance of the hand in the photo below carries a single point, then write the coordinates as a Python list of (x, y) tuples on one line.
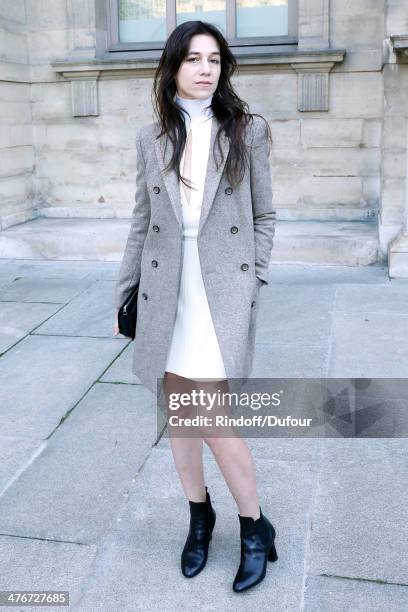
[(259, 283), (116, 325)]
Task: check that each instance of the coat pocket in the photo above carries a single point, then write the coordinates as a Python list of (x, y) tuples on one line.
[(258, 282)]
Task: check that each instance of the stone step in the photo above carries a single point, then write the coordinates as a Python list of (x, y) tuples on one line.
[(353, 243), (322, 242)]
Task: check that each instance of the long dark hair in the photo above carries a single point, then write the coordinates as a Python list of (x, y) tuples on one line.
[(227, 107)]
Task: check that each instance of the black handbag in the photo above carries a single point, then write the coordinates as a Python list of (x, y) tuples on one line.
[(127, 315)]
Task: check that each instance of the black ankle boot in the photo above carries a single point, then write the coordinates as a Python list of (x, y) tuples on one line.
[(195, 552), (257, 546)]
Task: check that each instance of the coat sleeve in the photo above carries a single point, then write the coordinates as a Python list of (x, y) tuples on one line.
[(130, 269), (263, 210)]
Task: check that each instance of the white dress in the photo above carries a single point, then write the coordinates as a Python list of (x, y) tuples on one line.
[(194, 351)]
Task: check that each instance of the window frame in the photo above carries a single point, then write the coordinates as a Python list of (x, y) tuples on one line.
[(114, 45)]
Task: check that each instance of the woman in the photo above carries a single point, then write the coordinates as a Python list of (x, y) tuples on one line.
[(199, 248)]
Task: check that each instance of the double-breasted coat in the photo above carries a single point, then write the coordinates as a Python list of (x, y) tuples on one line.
[(235, 239)]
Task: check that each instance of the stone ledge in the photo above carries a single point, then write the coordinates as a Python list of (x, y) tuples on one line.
[(346, 243), (145, 67), (400, 44), (311, 65), (399, 41)]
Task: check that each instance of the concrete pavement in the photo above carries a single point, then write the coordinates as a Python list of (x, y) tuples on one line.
[(90, 503)]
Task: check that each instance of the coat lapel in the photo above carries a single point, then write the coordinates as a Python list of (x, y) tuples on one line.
[(212, 179)]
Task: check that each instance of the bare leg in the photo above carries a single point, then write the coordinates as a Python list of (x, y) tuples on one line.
[(187, 452), (235, 461), (236, 464)]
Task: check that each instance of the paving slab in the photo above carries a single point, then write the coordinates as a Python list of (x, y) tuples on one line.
[(73, 489), (289, 360), (59, 268), (89, 314), (7, 275), (43, 289), (292, 314), (305, 274), (121, 368), (135, 571), (109, 270), (42, 377), (15, 454), (31, 564), (279, 449), (338, 595), (93, 486), (360, 519), (380, 299), (18, 319), (372, 345)]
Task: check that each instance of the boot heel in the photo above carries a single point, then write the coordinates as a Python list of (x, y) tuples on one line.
[(272, 556)]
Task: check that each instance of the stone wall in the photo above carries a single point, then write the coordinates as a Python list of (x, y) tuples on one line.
[(52, 35), (16, 140), (394, 141), (326, 165), (344, 164)]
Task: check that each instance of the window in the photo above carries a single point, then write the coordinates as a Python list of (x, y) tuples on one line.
[(146, 24)]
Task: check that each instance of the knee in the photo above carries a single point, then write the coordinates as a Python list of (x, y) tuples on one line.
[(215, 444)]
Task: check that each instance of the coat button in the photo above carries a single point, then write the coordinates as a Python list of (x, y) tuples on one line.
[(244, 267), (234, 229), (156, 189), (252, 304), (228, 190), (154, 263), (156, 228), (144, 296)]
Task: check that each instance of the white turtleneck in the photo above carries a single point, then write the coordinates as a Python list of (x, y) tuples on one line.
[(197, 109), (200, 126)]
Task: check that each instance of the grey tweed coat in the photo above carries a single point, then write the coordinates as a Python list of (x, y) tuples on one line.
[(235, 239)]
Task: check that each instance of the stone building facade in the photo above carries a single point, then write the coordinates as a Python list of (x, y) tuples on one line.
[(335, 91)]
